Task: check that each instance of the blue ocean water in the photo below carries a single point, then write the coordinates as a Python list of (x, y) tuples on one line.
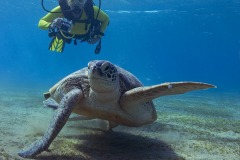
[(156, 40)]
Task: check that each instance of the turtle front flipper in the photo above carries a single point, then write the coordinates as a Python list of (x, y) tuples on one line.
[(144, 94), (59, 119)]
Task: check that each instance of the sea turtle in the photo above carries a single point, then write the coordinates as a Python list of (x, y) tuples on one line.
[(104, 91)]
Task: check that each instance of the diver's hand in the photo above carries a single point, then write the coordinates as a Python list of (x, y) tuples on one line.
[(34, 149), (56, 23), (62, 24), (93, 40)]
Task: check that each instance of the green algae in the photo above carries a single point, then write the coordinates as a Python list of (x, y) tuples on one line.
[(189, 128), (6, 156)]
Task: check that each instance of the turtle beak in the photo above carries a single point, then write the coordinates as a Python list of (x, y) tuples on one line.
[(92, 69)]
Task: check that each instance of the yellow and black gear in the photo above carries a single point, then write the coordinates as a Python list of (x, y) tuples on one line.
[(92, 23), (59, 39), (57, 44)]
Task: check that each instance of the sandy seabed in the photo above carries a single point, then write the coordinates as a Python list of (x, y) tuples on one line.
[(197, 125)]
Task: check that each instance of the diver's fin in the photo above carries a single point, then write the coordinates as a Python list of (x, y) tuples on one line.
[(144, 94), (57, 44), (51, 103)]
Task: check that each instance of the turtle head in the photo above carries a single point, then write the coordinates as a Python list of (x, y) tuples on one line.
[(103, 76)]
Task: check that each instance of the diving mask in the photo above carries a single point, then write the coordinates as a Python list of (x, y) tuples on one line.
[(77, 5)]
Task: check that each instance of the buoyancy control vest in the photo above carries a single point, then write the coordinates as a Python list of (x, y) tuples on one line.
[(88, 8), (94, 28)]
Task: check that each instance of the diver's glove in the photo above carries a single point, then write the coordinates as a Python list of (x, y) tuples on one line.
[(93, 40), (95, 36), (62, 24)]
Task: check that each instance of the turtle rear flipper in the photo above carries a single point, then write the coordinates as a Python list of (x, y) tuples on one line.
[(51, 103), (112, 125), (47, 95), (80, 118)]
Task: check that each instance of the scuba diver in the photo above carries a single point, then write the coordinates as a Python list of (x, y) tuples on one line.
[(74, 20)]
